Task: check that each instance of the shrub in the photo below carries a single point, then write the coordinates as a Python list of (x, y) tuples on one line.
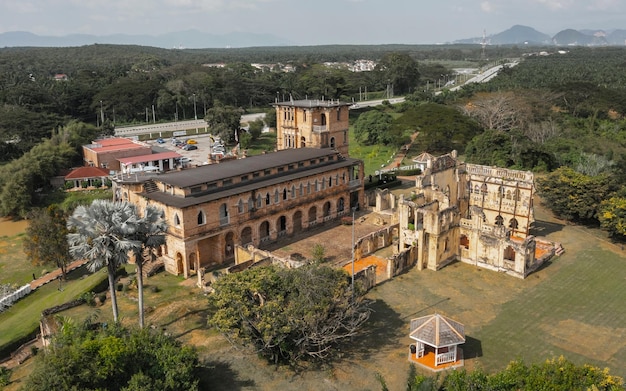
[(5, 376), (68, 185)]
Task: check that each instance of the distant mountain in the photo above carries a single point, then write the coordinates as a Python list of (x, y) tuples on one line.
[(573, 37), (190, 39), (518, 34)]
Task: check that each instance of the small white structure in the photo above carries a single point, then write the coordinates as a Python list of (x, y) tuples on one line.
[(439, 335)]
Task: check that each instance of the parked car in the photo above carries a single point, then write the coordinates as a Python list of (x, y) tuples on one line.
[(189, 147), (160, 140), (179, 144), (192, 141)]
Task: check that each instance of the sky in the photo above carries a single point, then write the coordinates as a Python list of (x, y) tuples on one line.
[(310, 22)]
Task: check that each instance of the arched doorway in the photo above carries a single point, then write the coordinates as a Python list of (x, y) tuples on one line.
[(264, 231), (297, 222), (192, 262), (340, 205), (326, 210), (282, 225), (246, 236), (180, 269), (229, 248), (312, 215)]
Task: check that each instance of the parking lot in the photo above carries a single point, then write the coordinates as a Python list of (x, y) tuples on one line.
[(197, 157)]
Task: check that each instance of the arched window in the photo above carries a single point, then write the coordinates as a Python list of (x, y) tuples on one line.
[(267, 199), (176, 219), (499, 220), (224, 219), (284, 194), (469, 187), (308, 188), (250, 204), (323, 119), (276, 196), (340, 205), (302, 142), (517, 195), (301, 189), (240, 206), (513, 224), (476, 190), (332, 142), (330, 181), (483, 189), (508, 194), (316, 186), (201, 218), (293, 191), (339, 114), (501, 191), (259, 201)]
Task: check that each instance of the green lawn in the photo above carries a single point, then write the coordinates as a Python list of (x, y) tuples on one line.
[(14, 267), (265, 143), (22, 318)]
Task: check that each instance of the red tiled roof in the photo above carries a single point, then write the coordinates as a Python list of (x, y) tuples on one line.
[(149, 158), (87, 172)]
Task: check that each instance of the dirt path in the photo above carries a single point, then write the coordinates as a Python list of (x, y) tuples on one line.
[(53, 275)]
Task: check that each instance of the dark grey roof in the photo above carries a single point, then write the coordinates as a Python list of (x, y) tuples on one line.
[(437, 330), (312, 103), (244, 187), (234, 168)]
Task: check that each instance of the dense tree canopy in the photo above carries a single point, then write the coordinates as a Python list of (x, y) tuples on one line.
[(555, 374), (288, 314), (113, 358), (372, 127), (575, 196)]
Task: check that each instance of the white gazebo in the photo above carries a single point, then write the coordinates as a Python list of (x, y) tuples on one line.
[(439, 335)]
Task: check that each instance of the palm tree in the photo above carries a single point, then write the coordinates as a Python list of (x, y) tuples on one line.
[(103, 234), (151, 234)]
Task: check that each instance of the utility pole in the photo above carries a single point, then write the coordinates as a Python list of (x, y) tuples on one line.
[(101, 114), (195, 112), (353, 223)]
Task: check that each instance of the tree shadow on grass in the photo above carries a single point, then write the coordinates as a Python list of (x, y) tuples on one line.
[(216, 375), (545, 228), (383, 328)]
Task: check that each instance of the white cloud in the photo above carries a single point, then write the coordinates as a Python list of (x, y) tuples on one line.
[(556, 4), (604, 5), (487, 6)]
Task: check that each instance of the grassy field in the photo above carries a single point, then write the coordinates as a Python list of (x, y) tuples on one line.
[(15, 269), (22, 318)]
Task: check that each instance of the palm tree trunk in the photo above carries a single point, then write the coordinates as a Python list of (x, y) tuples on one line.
[(139, 263), (111, 272)]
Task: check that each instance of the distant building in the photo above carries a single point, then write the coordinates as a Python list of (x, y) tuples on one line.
[(126, 155)]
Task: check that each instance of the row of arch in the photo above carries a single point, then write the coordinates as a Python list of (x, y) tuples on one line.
[(502, 193)]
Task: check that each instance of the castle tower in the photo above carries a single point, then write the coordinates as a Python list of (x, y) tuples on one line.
[(312, 124)]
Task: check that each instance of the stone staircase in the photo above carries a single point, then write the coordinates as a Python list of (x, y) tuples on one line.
[(558, 249)]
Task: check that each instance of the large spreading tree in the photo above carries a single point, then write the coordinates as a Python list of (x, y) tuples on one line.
[(46, 238), (288, 315)]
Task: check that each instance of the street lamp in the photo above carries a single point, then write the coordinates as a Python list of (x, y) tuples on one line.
[(195, 112)]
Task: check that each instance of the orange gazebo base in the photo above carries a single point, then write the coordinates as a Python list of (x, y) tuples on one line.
[(428, 361)]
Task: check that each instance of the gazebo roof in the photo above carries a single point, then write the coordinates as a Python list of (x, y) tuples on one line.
[(437, 330), (423, 157)]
